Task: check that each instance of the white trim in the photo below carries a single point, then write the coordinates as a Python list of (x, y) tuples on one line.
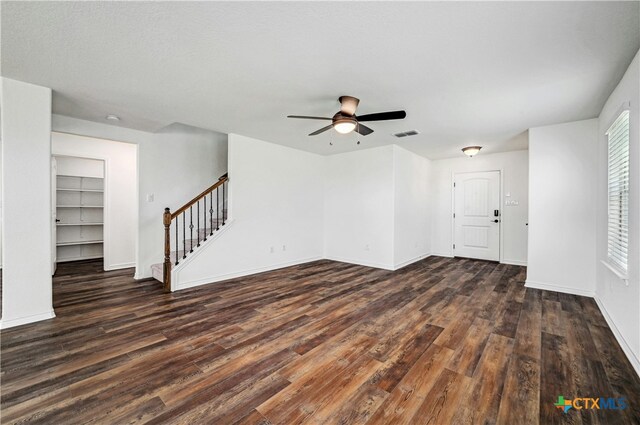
[(5, 324), (514, 262), (411, 261), (453, 211), (175, 270), (119, 266), (442, 254), (626, 348), (198, 250), (106, 247), (557, 288), (360, 262), (501, 216), (623, 277), (242, 273), (625, 106), (213, 279)]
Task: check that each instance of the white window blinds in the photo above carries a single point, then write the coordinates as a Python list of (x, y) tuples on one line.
[(618, 183)]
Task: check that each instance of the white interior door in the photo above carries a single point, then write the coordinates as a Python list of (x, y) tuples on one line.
[(477, 215), (54, 216)]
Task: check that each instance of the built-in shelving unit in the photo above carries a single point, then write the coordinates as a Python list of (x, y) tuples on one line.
[(80, 217)]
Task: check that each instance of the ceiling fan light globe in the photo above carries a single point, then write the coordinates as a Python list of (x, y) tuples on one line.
[(344, 127)]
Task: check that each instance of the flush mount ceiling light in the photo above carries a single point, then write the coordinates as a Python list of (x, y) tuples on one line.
[(471, 150), (344, 126), (112, 117)]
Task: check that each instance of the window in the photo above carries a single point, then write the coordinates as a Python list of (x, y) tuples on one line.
[(618, 183)]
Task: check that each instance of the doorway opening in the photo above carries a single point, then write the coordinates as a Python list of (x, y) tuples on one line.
[(77, 196)]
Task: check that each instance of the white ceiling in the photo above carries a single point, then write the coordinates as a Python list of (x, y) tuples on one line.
[(466, 73)]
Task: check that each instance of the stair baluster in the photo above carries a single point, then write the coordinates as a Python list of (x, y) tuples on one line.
[(204, 217), (169, 219)]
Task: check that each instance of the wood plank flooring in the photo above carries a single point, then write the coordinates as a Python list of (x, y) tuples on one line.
[(442, 341)]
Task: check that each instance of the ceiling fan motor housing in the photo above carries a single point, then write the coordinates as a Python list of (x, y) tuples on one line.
[(348, 104), (340, 117)]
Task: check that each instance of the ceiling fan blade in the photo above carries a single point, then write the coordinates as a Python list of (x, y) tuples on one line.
[(322, 130), (308, 118), (363, 129), (348, 104), (383, 116)]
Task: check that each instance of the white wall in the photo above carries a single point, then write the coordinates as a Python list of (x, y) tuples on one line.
[(562, 178), (619, 300), (75, 166), (276, 201), (282, 197), (412, 207), (515, 182), (359, 207), (174, 165), (1, 197), (26, 197), (120, 202)]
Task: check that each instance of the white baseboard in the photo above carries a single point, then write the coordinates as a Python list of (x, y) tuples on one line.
[(442, 254), (411, 261), (360, 262), (626, 348), (140, 276), (218, 278), (557, 288), (514, 262), (119, 266), (6, 324)]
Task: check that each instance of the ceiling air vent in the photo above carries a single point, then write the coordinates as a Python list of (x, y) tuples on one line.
[(407, 133)]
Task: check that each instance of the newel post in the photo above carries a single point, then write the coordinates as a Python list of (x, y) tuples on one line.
[(166, 270)]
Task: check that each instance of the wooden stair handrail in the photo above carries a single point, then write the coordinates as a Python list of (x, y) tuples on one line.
[(168, 217), (186, 206)]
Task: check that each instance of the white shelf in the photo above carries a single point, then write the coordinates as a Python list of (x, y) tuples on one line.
[(79, 206), (80, 234), (79, 177), (91, 257), (79, 190), (79, 224), (78, 243)]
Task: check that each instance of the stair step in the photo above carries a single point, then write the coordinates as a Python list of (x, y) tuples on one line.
[(157, 270)]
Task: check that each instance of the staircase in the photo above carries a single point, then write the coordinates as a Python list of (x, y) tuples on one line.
[(190, 226)]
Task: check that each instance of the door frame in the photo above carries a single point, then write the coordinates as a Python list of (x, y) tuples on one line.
[(54, 214), (501, 203), (106, 222)]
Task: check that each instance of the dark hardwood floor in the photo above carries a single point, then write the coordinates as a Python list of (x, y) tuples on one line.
[(442, 341)]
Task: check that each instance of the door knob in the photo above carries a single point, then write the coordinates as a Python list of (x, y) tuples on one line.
[(495, 221)]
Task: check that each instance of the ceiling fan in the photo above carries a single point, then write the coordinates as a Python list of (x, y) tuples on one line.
[(345, 121)]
